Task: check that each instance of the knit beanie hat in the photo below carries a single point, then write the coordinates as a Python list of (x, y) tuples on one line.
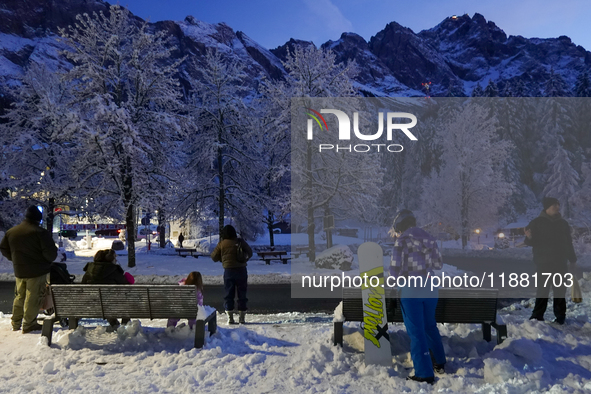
[(404, 220), (32, 213), (547, 202)]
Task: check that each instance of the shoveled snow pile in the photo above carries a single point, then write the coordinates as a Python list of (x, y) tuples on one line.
[(338, 257), (293, 353)]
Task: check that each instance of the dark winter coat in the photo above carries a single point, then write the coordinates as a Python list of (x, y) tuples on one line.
[(551, 242), (226, 252), (103, 273), (30, 248)]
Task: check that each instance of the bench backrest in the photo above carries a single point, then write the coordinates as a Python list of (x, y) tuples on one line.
[(454, 305), (131, 301)]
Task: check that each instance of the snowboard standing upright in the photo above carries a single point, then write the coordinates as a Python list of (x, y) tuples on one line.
[(375, 321)]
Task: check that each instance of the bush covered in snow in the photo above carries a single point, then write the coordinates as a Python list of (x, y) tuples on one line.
[(338, 257)]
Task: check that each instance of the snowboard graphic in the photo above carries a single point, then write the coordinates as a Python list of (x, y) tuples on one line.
[(375, 322)]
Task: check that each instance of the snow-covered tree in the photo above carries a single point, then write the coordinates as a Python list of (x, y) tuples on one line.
[(272, 165), (491, 89), (469, 189), (554, 86), (581, 202), (583, 85), (126, 94), (507, 90), (404, 171), (477, 91), (37, 156), (563, 179), (338, 184), (222, 150), (518, 89)]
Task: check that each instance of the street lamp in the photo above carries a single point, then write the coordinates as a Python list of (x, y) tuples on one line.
[(477, 231)]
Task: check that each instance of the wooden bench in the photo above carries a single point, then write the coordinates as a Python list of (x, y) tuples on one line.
[(127, 301), (454, 306), (192, 252), (347, 232), (268, 255), (301, 250)]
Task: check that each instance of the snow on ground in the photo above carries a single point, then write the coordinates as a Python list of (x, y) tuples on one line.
[(292, 353)]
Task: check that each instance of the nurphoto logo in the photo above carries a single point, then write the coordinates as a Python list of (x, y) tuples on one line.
[(392, 119)]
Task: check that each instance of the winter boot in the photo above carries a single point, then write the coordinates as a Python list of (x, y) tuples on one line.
[(241, 319), (230, 317), (439, 368), (430, 380)]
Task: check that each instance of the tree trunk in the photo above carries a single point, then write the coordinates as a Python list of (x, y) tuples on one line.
[(130, 223), (270, 227), (222, 191), (161, 234), (50, 214), (464, 226), (311, 225), (128, 199), (328, 229), (311, 228)]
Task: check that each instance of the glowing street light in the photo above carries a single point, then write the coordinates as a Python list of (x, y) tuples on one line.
[(477, 231)]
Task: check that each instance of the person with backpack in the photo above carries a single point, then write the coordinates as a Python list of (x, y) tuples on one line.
[(234, 253), (31, 249), (193, 279), (104, 270), (415, 253)]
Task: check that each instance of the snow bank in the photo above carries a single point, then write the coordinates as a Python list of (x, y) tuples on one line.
[(338, 257), (293, 353)]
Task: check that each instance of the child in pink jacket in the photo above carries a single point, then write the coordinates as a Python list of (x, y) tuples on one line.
[(196, 280)]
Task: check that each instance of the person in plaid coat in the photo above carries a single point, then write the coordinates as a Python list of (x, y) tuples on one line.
[(415, 253)]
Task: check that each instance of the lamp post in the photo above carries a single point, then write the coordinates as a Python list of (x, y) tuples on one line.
[(477, 231)]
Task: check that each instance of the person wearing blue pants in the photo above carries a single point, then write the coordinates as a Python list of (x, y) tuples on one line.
[(415, 253), (234, 254), (419, 319)]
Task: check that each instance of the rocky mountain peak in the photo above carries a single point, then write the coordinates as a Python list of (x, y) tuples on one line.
[(410, 59), (458, 53), (281, 51), (35, 18)]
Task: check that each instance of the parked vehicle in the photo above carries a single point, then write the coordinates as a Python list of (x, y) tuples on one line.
[(71, 234), (107, 233)]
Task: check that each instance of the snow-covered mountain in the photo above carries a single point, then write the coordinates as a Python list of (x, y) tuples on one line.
[(454, 56)]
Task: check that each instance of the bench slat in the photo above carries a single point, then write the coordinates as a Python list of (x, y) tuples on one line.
[(164, 301), (453, 306), (469, 308), (127, 301)]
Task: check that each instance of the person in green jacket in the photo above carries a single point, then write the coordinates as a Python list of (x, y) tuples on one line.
[(31, 249)]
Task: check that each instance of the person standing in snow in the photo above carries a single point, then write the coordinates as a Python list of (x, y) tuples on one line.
[(235, 273), (193, 279), (549, 236), (32, 250), (181, 239), (61, 253), (415, 253)]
